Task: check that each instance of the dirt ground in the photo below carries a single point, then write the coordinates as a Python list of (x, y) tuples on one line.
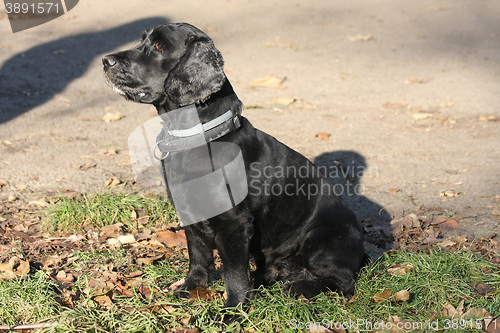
[(407, 92)]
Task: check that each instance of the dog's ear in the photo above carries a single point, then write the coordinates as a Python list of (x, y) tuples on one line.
[(199, 73)]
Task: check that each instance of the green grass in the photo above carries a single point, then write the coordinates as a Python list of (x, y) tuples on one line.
[(102, 209), (435, 277), (28, 301)]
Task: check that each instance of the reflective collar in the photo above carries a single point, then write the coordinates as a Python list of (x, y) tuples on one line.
[(169, 141), (201, 128)]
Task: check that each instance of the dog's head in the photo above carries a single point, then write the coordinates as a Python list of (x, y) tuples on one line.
[(174, 63)]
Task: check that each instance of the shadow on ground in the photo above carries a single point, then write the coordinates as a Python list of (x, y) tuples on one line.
[(346, 169), (31, 78)]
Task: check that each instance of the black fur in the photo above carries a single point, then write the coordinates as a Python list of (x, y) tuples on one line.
[(312, 242)]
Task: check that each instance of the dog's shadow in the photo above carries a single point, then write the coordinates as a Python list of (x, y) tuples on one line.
[(33, 77), (346, 169)]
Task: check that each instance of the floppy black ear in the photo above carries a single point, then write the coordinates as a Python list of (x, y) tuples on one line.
[(198, 75)]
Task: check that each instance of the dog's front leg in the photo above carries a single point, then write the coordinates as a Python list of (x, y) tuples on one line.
[(201, 261), (233, 245)]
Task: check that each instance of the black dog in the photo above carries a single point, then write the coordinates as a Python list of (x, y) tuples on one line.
[(292, 222)]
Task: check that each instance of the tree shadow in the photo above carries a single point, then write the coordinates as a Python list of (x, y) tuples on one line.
[(31, 78), (345, 169)]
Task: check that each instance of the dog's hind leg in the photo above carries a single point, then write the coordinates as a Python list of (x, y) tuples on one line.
[(311, 288)]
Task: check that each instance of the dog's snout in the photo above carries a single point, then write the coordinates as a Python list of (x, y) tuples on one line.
[(108, 61)]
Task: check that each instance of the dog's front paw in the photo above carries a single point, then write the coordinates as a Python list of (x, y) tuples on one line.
[(182, 287)]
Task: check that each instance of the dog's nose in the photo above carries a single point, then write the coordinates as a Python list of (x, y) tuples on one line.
[(108, 61)]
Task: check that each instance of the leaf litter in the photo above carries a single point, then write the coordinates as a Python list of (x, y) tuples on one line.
[(35, 249), (26, 247)]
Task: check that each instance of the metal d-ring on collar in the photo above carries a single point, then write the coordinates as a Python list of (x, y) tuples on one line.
[(212, 130)]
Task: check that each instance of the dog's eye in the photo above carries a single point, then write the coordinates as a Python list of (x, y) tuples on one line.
[(157, 47)]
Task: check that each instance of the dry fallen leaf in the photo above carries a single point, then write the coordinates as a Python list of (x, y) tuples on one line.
[(51, 261), (476, 313), (202, 293), (114, 242), (151, 260), (421, 116), (444, 223), (483, 289), (15, 268), (144, 234), (87, 166), (450, 311), (112, 116), (280, 45), (360, 38), (395, 105), (111, 231), (402, 296), (144, 290), (143, 220), (416, 80), (109, 152), (395, 320), (489, 118), (323, 136), (22, 267), (103, 300), (303, 104), (127, 239), (161, 308), (284, 100), (382, 297), (39, 203), (171, 239), (5, 267), (449, 224), (447, 243), (99, 287), (270, 81), (113, 182), (431, 236), (62, 276), (450, 193), (400, 269), (185, 321)]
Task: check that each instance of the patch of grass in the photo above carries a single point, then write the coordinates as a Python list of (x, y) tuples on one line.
[(435, 278), (28, 301), (166, 272), (102, 209)]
